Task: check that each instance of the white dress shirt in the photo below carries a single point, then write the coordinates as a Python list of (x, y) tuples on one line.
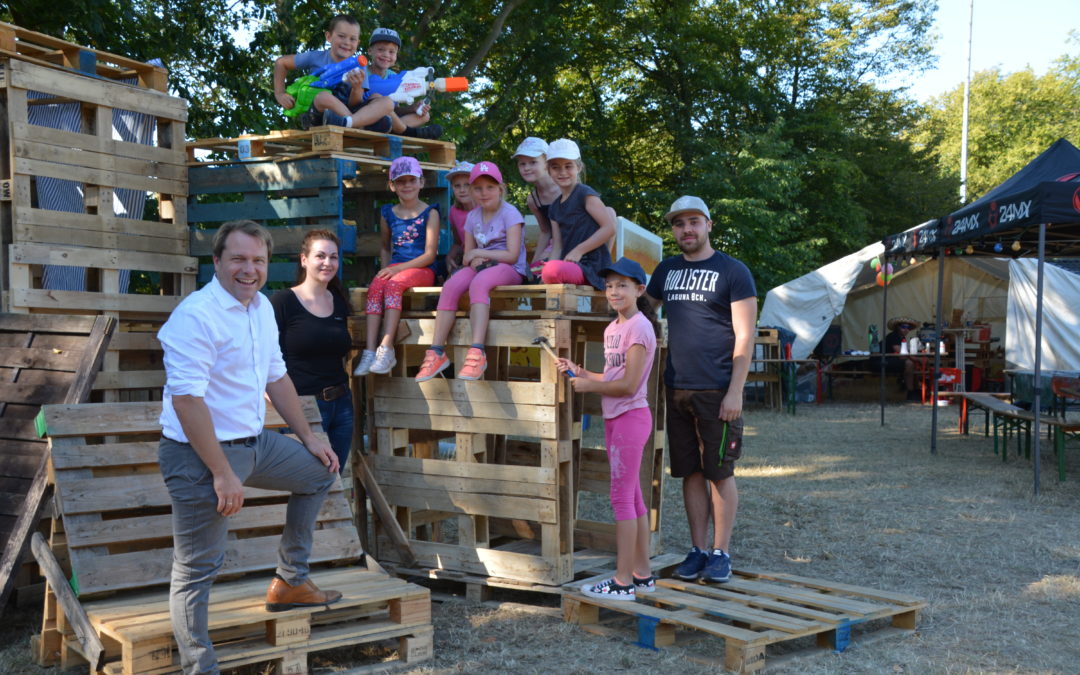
[(220, 350)]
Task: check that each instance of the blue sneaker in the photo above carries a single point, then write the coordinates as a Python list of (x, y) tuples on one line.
[(718, 569), (690, 568), (331, 118)]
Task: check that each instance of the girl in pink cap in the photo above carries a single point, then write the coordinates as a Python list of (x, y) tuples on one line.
[(410, 240), (494, 256)]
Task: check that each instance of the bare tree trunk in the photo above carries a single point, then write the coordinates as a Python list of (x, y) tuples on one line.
[(496, 30)]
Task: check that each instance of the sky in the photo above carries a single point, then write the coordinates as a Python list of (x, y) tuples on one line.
[(1012, 34)]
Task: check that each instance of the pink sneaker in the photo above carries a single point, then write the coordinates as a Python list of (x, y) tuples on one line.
[(475, 365), (433, 364)]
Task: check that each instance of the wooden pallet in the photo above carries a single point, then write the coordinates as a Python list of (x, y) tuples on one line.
[(95, 238), (41, 49), (357, 144), (750, 613), (112, 540), (373, 607), (43, 359), (518, 463)]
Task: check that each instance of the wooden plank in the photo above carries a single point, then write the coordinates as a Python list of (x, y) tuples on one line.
[(148, 527), (287, 239), (467, 425), (172, 162), (488, 562), (92, 648), (439, 467), (454, 485), (46, 323), (37, 394), (540, 510), (502, 333), (31, 43), (170, 178), (125, 97), (44, 358), (37, 254), (80, 300), (328, 206), (836, 587), (263, 177), (384, 512), (121, 493), (93, 239), (111, 419), (36, 217), (93, 176), (481, 391), (130, 379), (144, 568), (508, 410)]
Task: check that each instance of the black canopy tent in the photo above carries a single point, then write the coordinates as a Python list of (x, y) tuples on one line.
[(1036, 212)]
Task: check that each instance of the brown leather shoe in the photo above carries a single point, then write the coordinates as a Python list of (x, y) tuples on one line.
[(281, 596)]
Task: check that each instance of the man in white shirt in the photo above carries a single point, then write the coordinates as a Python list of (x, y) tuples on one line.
[(221, 355)]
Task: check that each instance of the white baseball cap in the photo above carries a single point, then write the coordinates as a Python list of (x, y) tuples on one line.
[(532, 147), (459, 167), (564, 148), (687, 203)]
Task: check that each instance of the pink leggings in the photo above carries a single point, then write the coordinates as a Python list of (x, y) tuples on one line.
[(562, 272), (390, 290), (478, 284), (625, 436)]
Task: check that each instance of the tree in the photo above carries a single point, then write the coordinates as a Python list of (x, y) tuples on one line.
[(1013, 117)]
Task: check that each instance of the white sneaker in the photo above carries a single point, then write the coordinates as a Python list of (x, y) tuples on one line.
[(366, 359), (384, 360)]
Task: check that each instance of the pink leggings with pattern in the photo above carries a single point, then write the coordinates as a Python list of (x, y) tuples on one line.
[(387, 292), (625, 436)]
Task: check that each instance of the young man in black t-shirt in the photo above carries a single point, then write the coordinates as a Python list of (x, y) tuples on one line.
[(711, 306)]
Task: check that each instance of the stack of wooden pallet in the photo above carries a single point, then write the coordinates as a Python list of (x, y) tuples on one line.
[(112, 540), (37, 70), (485, 476)]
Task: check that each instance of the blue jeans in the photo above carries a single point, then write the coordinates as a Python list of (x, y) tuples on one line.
[(272, 462), (337, 422)]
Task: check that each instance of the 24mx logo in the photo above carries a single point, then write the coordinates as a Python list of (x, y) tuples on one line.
[(1002, 215)]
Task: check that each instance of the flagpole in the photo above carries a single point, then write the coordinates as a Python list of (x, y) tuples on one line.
[(967, 103)]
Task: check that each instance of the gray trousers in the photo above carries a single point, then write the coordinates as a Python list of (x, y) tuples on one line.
[(273, 462)]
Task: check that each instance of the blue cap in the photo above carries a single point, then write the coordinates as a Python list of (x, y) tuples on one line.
[(628, 268), (385, 35)]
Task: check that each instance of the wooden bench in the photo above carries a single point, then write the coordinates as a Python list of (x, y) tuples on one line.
[(1008, 418), (113, 540)]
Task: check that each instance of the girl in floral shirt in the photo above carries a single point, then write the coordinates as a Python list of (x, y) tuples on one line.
[(410, 240)]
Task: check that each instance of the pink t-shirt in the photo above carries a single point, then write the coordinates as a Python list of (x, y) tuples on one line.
[(492, 234), (618, 339), (457, 220)]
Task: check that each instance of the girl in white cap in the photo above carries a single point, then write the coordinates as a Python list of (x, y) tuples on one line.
[(458, 177), (494, 256), (410, 241), (531, 158), (580, 222)]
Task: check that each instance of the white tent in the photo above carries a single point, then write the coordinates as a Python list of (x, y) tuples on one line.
[(845, 288), (1061, 317)]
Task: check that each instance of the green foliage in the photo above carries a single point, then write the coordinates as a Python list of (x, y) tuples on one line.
[(1012, 118), (766, 109)]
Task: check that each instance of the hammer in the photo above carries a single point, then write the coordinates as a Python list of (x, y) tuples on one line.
[(543, 342)]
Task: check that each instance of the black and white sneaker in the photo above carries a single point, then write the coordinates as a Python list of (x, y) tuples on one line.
[(646, 585), (610, 590)]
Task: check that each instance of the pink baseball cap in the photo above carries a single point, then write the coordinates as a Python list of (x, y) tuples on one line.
[(485, 169), (405, 166)]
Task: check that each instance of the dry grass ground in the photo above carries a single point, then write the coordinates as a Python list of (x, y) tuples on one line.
[(830, 493)]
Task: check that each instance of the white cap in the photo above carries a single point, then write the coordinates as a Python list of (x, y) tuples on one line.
[(687, 203), (532, 147), (564, 148), (460, 167)]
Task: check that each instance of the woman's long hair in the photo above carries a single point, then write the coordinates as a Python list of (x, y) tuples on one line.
[(335, 285)]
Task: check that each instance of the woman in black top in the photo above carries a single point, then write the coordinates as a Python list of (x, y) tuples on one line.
[(312, 319)]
